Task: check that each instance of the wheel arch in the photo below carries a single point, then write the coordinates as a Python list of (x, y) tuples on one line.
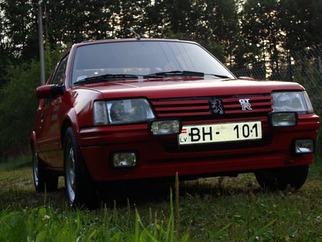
[(66, 124), (33, 144), (69, 121)]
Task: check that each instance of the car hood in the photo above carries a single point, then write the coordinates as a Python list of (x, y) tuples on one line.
[(183, 87)]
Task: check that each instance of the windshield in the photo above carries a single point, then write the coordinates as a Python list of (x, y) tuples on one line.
[(144, 58)]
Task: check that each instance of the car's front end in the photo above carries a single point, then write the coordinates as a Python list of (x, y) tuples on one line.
[(198, 128)]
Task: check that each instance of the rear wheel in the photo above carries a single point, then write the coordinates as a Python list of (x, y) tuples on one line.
[(280, 178), (44, 180), (79, 189)]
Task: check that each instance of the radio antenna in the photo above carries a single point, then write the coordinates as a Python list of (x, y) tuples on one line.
[(137, 36)]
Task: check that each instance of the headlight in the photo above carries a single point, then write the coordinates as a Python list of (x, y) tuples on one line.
[(292, 102), (122, 111)]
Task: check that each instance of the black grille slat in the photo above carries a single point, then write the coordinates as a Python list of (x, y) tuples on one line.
[(181, 108)]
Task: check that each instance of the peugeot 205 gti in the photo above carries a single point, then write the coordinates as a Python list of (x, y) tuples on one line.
[(133, 109)]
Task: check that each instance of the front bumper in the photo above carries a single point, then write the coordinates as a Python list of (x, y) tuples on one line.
[(162, 157)]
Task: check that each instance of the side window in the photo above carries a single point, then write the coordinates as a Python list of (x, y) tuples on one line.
[(60, 73), (58, 77)]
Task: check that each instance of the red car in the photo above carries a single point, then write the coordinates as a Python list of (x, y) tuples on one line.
[(132, 109)]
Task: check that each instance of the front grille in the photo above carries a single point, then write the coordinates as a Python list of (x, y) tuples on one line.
[(200, 106), (181, 107)]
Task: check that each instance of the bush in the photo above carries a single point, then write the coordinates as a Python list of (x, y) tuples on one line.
[(17, 108)]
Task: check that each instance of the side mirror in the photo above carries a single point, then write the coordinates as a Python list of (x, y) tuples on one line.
[(49, 91)]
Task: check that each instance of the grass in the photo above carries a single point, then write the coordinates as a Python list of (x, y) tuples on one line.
[(213, 209)]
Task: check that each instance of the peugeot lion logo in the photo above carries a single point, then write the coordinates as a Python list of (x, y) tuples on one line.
[(216, 106), (245, 104)]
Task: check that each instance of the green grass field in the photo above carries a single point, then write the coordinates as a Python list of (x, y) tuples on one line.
[(213, 209)]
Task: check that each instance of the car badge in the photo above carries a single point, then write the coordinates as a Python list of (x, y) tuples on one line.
[(245, 104), (216, 106)]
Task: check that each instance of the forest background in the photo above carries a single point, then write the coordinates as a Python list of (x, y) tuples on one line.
[(265, 39)]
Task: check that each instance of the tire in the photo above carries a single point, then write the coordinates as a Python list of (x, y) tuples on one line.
[(44, 181), (78, 185), (280, 178)]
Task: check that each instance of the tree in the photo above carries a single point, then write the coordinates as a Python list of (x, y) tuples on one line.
[(4, 62), (261, 31), (301, 23), (222, 21), (20, 28), (17, 107), (156, 22), (75, 20)]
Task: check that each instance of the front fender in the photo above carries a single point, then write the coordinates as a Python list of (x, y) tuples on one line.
[(80, 113), (70, 120), (33, 142)]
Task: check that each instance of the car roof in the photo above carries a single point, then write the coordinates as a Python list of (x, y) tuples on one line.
[(90, 42)]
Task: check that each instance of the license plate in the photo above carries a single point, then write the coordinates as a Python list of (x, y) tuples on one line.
[(224, 132)]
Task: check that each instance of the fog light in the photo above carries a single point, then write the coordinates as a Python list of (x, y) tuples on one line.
[(303, 146), (126, 159), (283, 119), (165, 127)]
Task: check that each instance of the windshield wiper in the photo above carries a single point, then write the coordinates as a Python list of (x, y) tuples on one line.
[(105, 77), (173, 73), (217, 75)]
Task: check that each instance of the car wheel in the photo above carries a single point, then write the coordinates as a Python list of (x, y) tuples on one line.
[(43, 179), (79, 189), (280, 178)]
